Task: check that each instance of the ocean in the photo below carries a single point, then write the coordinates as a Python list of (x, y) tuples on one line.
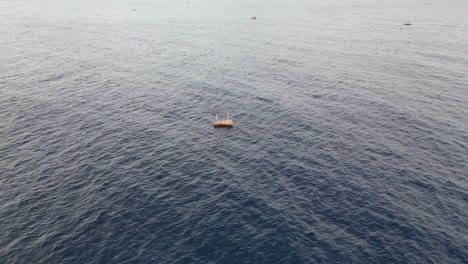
[(349, 145)]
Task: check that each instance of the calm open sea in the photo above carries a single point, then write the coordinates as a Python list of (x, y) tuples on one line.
[(350, 138)]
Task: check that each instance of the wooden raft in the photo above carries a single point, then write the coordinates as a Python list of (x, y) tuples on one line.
[(223, 123)]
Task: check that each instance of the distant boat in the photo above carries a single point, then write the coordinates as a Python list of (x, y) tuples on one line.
[(254, 17), (223, 123), (407, 23)]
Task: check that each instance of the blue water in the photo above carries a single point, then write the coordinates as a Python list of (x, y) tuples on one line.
[(350, 142)]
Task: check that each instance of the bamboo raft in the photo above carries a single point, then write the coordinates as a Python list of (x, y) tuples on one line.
[(223, 123)]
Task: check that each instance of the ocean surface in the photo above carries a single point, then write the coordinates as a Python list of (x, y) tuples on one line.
[(349, 145)]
